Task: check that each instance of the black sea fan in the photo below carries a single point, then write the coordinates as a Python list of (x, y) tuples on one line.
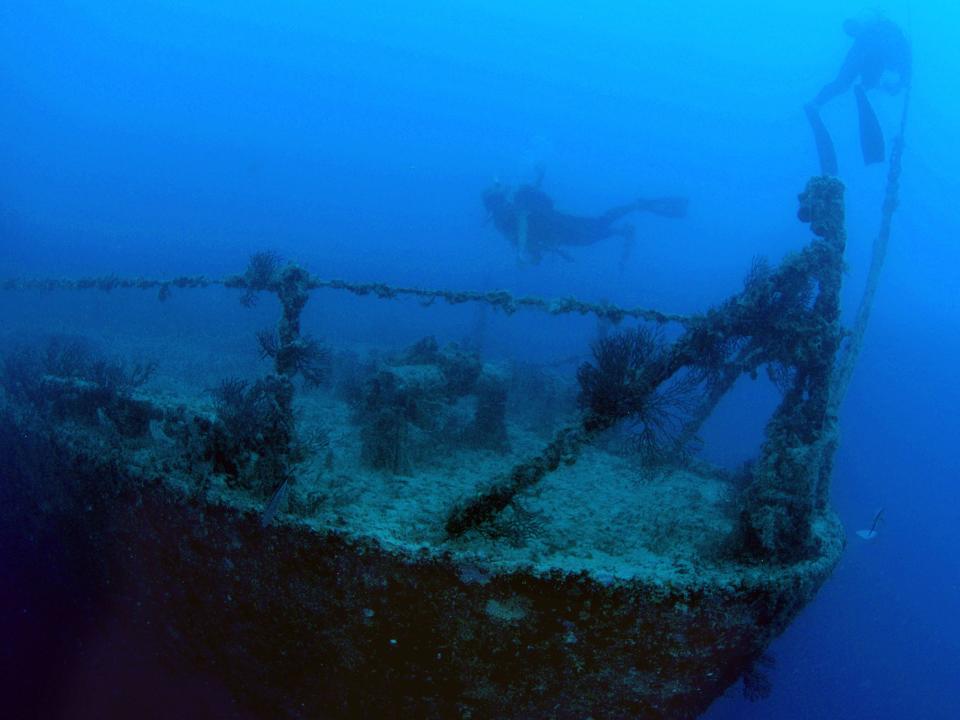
[(315, 362), (269, 343), (660, 426), (260, 275), (614, 387), (626, 382)]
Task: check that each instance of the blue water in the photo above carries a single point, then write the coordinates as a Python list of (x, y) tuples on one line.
[(163, 138)]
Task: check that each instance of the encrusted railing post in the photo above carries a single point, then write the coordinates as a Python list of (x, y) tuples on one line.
[(291, 353), (789, 480), (291, 289)]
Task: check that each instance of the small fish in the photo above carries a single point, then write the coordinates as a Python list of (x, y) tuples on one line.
[(872, 532), (277, 502)]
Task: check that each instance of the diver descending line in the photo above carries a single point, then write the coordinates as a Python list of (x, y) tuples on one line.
[(879, 47)]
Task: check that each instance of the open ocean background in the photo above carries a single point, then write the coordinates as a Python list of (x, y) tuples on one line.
[(178, 137)]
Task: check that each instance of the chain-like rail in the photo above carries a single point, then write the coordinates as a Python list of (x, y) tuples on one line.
[(500, 299)]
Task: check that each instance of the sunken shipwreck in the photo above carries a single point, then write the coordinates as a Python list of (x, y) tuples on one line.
[(426, 534)]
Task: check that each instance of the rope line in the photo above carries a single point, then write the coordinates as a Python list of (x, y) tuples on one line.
[(501, 299), (844, 370)]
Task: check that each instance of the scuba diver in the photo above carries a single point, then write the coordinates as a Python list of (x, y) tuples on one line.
[(528, 219), (879, 46)]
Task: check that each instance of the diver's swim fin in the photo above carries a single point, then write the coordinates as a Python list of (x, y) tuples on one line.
[(871, 135), (671, 207), (825, 151)]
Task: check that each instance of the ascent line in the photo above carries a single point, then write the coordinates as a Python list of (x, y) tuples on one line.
[(844, 370)]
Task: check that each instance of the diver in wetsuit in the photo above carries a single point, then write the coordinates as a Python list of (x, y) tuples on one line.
[(879, 47), (528, 219)]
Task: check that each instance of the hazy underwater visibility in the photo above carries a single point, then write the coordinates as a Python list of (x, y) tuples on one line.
[(477, 360)]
